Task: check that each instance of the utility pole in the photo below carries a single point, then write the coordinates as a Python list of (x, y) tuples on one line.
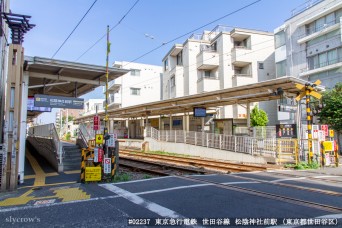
[(105, 130)]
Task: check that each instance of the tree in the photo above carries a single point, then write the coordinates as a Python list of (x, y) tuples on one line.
[(258, 117), (331, 112)]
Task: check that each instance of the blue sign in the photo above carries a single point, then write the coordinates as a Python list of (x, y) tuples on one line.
[(200, 112)]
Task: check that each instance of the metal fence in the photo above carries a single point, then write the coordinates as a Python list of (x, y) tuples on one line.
[(264, 132), (240, 144)]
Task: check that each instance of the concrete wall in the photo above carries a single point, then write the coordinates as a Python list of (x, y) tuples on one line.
[(204, 152), (45, 147)]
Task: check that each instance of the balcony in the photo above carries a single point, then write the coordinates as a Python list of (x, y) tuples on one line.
[(312, 33), (207, 60), (113, 86), (177, 70), (240, 56), (207, 84), (318, 68), (114, 100)]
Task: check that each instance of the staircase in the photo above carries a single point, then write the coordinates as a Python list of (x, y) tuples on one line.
[(72, 158)]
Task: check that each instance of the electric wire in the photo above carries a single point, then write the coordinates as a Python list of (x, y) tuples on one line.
[(74, 29), (116, 25), (192, 31)]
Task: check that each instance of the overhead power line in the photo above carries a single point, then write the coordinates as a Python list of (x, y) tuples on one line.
[(74, 29), (116, 25), (194, 30)]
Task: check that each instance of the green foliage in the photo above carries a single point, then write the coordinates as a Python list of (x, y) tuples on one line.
[(258, 117), (122, 177), (146, 176), (331, 113), (68, 136), (304, 165)]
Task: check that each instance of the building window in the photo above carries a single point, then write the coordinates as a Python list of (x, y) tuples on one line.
[(173, 81), (207, 74), (135, 72), (261, 66), (280, 39), (213, 47), (166, 64), (324, 22), (325, 58), (135, 91), (180, 59), (281, 68)]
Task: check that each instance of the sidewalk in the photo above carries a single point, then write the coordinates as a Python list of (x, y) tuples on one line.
[(329, 170)]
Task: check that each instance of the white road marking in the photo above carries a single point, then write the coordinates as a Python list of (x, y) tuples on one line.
[(241, 182), (156, 208), (288, 179), (135, 181), (174, 188)]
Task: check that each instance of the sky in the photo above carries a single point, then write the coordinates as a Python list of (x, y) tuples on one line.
[(148, 25)]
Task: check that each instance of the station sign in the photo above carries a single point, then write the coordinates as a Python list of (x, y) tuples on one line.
[(96, 122), (98, 139), (42, 100), (92, 173), (112, 138), (286, 130), (107, 166)]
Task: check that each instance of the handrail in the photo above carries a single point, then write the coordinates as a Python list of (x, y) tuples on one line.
[(48, 131)]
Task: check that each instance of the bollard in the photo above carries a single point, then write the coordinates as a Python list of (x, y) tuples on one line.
[(83, 165)]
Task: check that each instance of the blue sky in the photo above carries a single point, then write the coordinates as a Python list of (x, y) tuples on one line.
[(161, 19)]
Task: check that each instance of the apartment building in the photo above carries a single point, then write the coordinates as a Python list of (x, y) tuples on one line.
[(309, 44), (222, 58), (140, 85), (92, 105)]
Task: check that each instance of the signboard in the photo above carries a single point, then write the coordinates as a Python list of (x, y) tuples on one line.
[(200, 112), (112, 138), (98, 154), (41, 100), (331, 133), (325, 129), (328, 145), (286, 130), (96, 122), (107, 166), (92, 173), (99, 139), (31, 107), (287, 108)]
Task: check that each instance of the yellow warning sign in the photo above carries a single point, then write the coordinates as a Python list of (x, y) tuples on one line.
[(331, 133), (92, 173), (99, 139), (328, 145)]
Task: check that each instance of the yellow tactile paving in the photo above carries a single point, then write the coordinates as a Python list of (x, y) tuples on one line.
[(68, 194), (40, 174), (46, 175), (73, 172)]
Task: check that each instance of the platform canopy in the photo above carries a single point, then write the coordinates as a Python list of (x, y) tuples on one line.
[(256, 92), (65, 78)]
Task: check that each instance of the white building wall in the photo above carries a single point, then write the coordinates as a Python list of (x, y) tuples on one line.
[(148, 82), (196, 61)]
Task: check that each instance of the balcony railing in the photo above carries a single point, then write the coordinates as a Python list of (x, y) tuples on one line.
[(312, 29), (322, 64)]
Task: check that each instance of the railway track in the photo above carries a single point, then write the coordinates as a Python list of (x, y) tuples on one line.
[(309, 177), (157, 168), (193, 162), (324, 207)]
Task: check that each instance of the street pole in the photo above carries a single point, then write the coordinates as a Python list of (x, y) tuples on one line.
[(309, 123), (105, 131)]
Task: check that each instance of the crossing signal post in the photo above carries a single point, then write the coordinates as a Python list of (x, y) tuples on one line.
[(308, 90)]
